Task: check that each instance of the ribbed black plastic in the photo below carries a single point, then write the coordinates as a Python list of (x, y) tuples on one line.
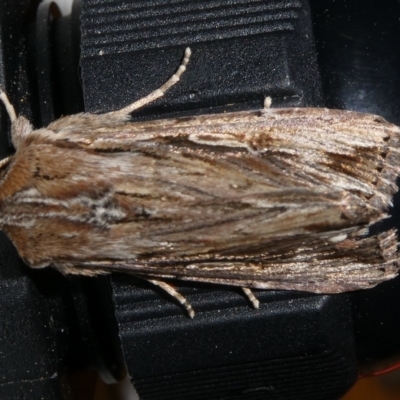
[(295, 346), (143, 25), (242, 52), (309, 380)]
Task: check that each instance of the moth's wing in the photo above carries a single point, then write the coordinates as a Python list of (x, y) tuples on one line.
[(237, 154), (321, 266), (304, 147), (361, 264), (271, 199)]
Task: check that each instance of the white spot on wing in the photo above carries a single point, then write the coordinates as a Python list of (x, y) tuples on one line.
[(338, 238)]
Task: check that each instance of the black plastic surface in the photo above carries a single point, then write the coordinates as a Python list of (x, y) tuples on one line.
[(357, 43), (296, 346), (357, 51), (242, 52), (28, 358)]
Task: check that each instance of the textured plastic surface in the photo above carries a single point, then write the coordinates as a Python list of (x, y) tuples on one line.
[(242, 52), (28, 361), (296, 346)]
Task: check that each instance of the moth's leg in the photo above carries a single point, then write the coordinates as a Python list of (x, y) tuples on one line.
[(175, 294), (157, 93), (250, 295), (9, 107), (267, 102)]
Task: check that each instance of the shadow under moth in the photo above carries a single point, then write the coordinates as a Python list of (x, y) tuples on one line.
[(270, 199)]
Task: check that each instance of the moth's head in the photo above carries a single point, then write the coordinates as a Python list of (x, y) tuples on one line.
[(20, 126), (20, 129)]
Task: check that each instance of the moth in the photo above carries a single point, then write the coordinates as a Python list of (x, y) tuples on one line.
[(287, 198)]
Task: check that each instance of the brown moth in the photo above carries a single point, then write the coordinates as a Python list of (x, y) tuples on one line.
[(270, 199)]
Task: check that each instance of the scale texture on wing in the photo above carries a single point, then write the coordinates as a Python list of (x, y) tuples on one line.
[(268, 199)]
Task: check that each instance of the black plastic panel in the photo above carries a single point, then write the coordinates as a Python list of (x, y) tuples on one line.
[(28, 360), (242, 52), (357, 45), (296, 346), (357, 49)]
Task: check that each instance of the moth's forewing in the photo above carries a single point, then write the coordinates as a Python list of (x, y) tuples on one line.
[(272, 198)]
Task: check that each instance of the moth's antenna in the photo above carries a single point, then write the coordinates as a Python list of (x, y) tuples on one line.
[(9, 107), (160, 91)]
